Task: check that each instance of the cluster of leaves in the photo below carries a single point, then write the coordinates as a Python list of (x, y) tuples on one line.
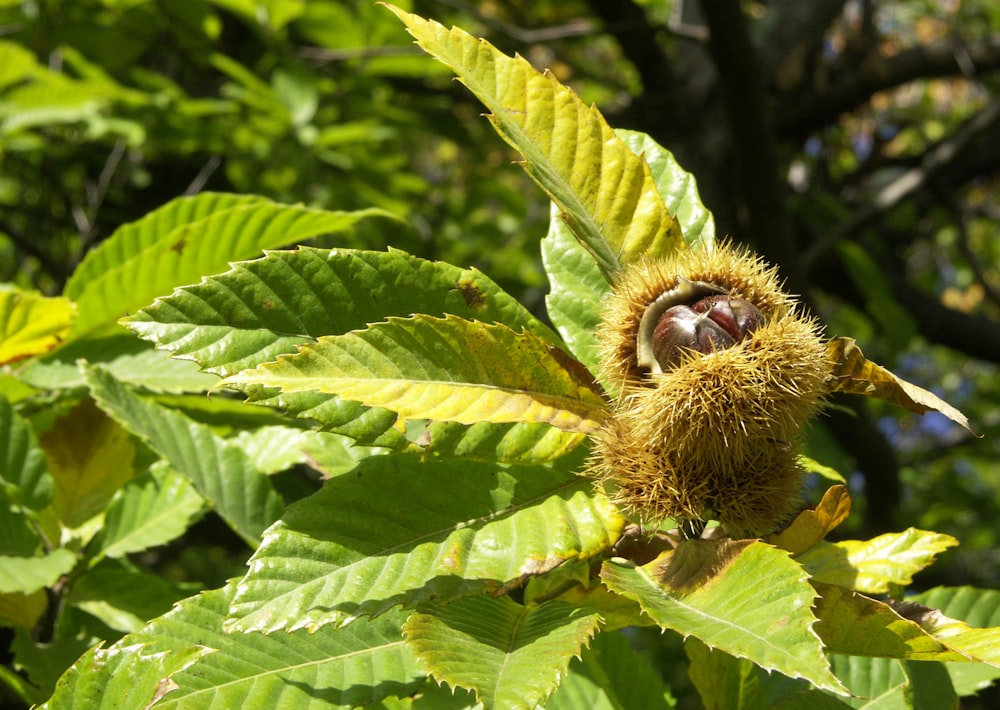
[(453, 541)]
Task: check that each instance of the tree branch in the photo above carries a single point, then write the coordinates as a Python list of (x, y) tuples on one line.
[(801, 113), (760, 187)]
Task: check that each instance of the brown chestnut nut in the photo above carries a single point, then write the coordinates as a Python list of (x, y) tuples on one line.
[(680, 328), (737, 316), (709, 324)]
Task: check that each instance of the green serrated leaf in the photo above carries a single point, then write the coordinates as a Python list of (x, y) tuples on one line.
[(401, 531), (976, 644), (517, 442), (355, 665), (183, 241), (220, 471), (24, 575), (871, 566), (610, 675), (24, 475), (712, 590), (151, 510), (264, 308), (510, 655), (31, 324), (606, 192), (446, 369), (677, 187), (577, 291)]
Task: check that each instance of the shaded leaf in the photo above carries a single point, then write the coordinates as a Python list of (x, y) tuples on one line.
[(151, 510), (853, 624), (511, 655), (181, 242), (610, 675), (724, 681), (24, 475), (605, 191), (812, 525), (442, 369), (400, 531), (979, 644), (516, 442), (854, 374), (712, 590), (873, 565), (358, 664), (31, 324), (24, 575), (20, 609), (90, 457), (220, 471)]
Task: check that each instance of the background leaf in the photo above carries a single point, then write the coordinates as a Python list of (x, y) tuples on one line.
[(605, 191), (342, 668), (31, 324), (152, 509), (724, 681), (511, 655), (220, 471), (24, 575), (610, 675), (723, 603), (446, 369), (24, 474), (183, 241), (434, 530)]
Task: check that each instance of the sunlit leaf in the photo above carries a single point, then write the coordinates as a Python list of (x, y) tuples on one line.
[(220, 471), (511, 655), (431, 530), (31, 324), (712, 590), (151, 510), (605, 191), (342, 668), (854, 374), (442, 369), (183, 241), (25, 575), (873, 565), (812, 525)]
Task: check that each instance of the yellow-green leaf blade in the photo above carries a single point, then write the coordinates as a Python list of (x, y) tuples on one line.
[(445, 369), (606, 192), (872, 566), (855, 374), (31, 324), (714, 591), (511, 655)]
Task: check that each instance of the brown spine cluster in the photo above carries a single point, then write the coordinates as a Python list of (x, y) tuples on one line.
[(713, 432)]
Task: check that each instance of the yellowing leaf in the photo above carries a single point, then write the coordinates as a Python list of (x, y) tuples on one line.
[(872, 566), (31, 324), (812, 525), (606, 193), (22, 609), (855, 374), (975, 644), (851, 623), (90, 457), (444, 369)]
